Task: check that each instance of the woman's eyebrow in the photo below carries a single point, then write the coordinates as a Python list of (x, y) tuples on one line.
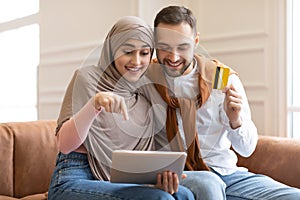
[(128, 45), (133, 46)]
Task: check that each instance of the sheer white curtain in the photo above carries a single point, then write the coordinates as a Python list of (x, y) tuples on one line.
[(294, 68)]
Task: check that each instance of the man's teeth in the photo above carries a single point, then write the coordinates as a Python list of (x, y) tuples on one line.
[(173, 64)]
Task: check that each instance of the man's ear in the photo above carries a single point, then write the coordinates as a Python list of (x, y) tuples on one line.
[(197, 40)]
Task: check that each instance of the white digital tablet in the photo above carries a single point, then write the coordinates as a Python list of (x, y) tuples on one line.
[(142, 166)]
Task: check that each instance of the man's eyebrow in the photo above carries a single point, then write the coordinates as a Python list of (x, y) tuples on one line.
[(184, 44), (162, 43), (165, 44)]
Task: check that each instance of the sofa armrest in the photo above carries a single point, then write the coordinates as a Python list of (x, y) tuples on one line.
[(6, 161), (276, 157), (34, 154)]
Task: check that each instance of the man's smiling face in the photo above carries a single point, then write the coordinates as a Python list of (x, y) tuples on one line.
[(175, 45)]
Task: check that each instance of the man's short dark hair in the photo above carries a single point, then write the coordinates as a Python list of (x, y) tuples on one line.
[(175, 15)]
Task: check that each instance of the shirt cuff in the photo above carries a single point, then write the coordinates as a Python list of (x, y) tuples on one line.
[(240, 131)]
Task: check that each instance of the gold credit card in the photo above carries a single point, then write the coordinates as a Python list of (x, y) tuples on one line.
[(221, 78)]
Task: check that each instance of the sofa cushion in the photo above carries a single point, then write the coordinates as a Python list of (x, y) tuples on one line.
[(276, 157), (6, 160), (34, 153), (43, 196), (7, 198)]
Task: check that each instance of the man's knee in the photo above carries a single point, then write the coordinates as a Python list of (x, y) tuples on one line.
[(205, 184), (204, 178)]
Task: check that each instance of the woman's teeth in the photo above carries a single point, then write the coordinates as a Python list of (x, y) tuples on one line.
[(132, 69)]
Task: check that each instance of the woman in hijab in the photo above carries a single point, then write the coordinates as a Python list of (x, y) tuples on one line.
[(104, 110)]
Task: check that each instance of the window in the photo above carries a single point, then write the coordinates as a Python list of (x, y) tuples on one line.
[(19, 50), (294, 69)]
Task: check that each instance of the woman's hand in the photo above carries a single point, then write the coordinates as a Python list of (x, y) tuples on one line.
[(111, 103), (167, 181)]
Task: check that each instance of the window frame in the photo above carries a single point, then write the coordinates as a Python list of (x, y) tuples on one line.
[(291, 108)]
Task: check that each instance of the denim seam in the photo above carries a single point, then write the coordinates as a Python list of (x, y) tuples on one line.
[(100, 195)]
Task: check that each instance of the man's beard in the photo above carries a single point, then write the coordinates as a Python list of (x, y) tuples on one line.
[(174, 73)]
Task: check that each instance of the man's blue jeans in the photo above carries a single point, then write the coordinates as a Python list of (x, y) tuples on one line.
[(237, 186), (205, 185), (246, 185), (72, 179)]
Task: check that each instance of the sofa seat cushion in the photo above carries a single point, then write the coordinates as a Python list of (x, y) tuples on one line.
[(42, 196), (7, 198)]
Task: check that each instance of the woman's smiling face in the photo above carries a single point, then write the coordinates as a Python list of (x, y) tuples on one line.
[(132, 59)]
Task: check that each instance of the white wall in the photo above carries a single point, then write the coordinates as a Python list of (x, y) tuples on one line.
[(247, 35)]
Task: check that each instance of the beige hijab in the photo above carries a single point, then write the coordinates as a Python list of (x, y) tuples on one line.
[(110, 131)]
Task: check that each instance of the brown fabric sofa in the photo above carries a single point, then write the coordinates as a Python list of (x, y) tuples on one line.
[(28, 152)]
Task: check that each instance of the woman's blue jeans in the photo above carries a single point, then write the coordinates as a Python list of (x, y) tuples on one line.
[(73, 179)]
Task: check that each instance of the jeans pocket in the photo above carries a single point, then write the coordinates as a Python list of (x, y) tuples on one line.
[(70, 169)]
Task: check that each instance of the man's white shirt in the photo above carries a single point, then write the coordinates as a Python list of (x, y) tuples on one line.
[(214, 132)]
